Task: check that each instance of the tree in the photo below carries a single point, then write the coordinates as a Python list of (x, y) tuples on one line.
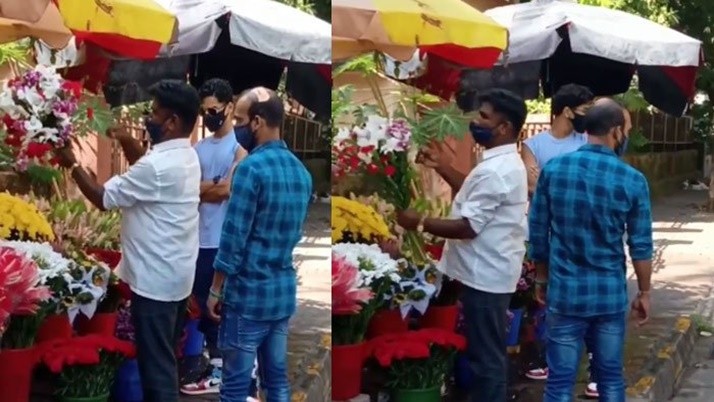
[(319, 8)]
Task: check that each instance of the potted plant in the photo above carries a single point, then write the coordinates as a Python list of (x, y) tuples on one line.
[(20, 315), (85, 366), (417, 363), (352, 308)]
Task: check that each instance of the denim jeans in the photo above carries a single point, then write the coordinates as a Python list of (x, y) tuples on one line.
[(201, 288), (242, 340), (485, 330), (158, 327), (565, 347)]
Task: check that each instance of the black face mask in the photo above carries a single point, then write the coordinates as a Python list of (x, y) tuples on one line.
[(214, 122), (245, 137), (578, 123)]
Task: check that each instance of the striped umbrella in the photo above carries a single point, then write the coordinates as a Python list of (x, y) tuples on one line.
[(449, 28)]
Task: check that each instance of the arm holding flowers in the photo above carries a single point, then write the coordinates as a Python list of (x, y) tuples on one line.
[(132, 147)]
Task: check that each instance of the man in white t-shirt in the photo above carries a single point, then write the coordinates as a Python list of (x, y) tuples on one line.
[(485, 235), (158, 197)]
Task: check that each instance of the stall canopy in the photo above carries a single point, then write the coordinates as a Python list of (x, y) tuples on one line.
[(553, 43)]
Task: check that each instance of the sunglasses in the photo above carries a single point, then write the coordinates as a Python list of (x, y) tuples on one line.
[(214, 111)]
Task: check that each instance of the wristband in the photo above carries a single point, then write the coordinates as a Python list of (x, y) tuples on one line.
[(215, 295)]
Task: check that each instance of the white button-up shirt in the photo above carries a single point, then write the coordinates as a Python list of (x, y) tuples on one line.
[(493, 199), (159, 197)]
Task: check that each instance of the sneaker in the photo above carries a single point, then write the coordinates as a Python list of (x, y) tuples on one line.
[(209, 385), (538, 374), (251, 399), (591, 390)]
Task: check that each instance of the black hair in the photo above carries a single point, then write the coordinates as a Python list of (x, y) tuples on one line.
[(603, 117), (507, 103), (217, 87), (467, 92), (179, 98), (571, 96), (271, 110)]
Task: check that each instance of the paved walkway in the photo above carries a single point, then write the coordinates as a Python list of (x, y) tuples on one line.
[(313, 319), (683, 274)]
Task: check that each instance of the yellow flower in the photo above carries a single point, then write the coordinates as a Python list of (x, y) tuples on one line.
[(22, 220), (360, 220)]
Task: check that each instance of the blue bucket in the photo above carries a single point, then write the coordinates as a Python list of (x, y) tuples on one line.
[(127, 384), (194, 339), (463, 378), (514, 330)]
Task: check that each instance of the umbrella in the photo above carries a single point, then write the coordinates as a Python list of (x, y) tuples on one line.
[(28, 11), (559, 42), (48, 26), (449, 28)]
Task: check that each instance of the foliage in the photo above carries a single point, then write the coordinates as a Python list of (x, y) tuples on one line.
[(319, 8), (15, 52), (638, 143)]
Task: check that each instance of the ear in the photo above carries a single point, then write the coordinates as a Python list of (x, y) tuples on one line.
[(568, 112)]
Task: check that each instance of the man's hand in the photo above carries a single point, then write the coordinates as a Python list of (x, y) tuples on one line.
[(65, 156), (434, 156), (408, 219), (214, 306), (641, 308), (540, 293), (118, 131), (391, 247)]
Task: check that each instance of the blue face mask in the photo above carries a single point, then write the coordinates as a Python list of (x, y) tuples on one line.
[(245, 137), (481, 135), (621, 147), (155, 130)]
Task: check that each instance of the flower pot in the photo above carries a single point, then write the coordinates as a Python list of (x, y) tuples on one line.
[(193, 345), (386, 322), (432, 394), (109, 257), (443, 317), (100, 398), (127, 384), (347, 371), (16, 367), (100, 323), (514, 328), (54, 327)]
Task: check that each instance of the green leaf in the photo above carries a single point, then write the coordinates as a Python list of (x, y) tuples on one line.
[(438, 124), (365, 64)]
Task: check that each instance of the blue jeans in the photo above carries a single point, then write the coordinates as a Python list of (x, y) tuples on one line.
[(565, 347), (242, 340)]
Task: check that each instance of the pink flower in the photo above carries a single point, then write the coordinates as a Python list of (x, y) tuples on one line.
[(346, 296), (19, 290)]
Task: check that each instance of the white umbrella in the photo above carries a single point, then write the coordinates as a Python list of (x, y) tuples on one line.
[(264, 26)]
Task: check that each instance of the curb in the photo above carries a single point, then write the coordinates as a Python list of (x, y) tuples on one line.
[(661, 374), (314, 384)]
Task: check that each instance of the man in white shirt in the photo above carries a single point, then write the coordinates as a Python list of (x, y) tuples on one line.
[(158, 197), (485, 234)]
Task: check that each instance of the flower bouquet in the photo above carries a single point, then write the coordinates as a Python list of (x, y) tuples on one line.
[(20, 220), (41, 112), (86, 366), (415, 289), (355, 222), (378, 272), (20, 300), (417, 362)]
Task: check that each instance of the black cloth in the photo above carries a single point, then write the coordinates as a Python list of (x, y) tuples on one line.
[(158, 328), (485, 329)]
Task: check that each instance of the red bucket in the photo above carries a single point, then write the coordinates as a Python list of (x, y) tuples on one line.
[(347, 371), (16, 368), (386, 322), (443, 317), (55, 326), (100, 324)]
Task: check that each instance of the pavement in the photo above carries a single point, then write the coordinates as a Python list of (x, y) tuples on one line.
[(311, 328)]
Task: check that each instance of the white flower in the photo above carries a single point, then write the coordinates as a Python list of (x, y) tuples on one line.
[(373, 263), (56, 265), (343, 133), (32, 125)]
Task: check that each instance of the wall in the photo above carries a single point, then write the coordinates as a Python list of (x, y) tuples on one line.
[(665, 171)]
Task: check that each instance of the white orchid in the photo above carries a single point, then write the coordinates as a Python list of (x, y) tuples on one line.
[(53, 263)]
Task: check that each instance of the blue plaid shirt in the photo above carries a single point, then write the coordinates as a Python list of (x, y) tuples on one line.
[(268, 205), (583, 203)]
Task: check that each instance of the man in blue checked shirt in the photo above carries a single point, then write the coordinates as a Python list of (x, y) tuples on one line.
[(584, 203), (254, 286)]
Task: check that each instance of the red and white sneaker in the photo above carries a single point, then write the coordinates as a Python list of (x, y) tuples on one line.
[(208, 385), (538, 374), (591, 391)]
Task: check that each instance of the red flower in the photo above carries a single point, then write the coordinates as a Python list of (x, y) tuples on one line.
[(390, 170), (73, 87), (372, 169), (90, 113), (20, 293), (84, 350), (434, 250), (347, 298), (38, 149)]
